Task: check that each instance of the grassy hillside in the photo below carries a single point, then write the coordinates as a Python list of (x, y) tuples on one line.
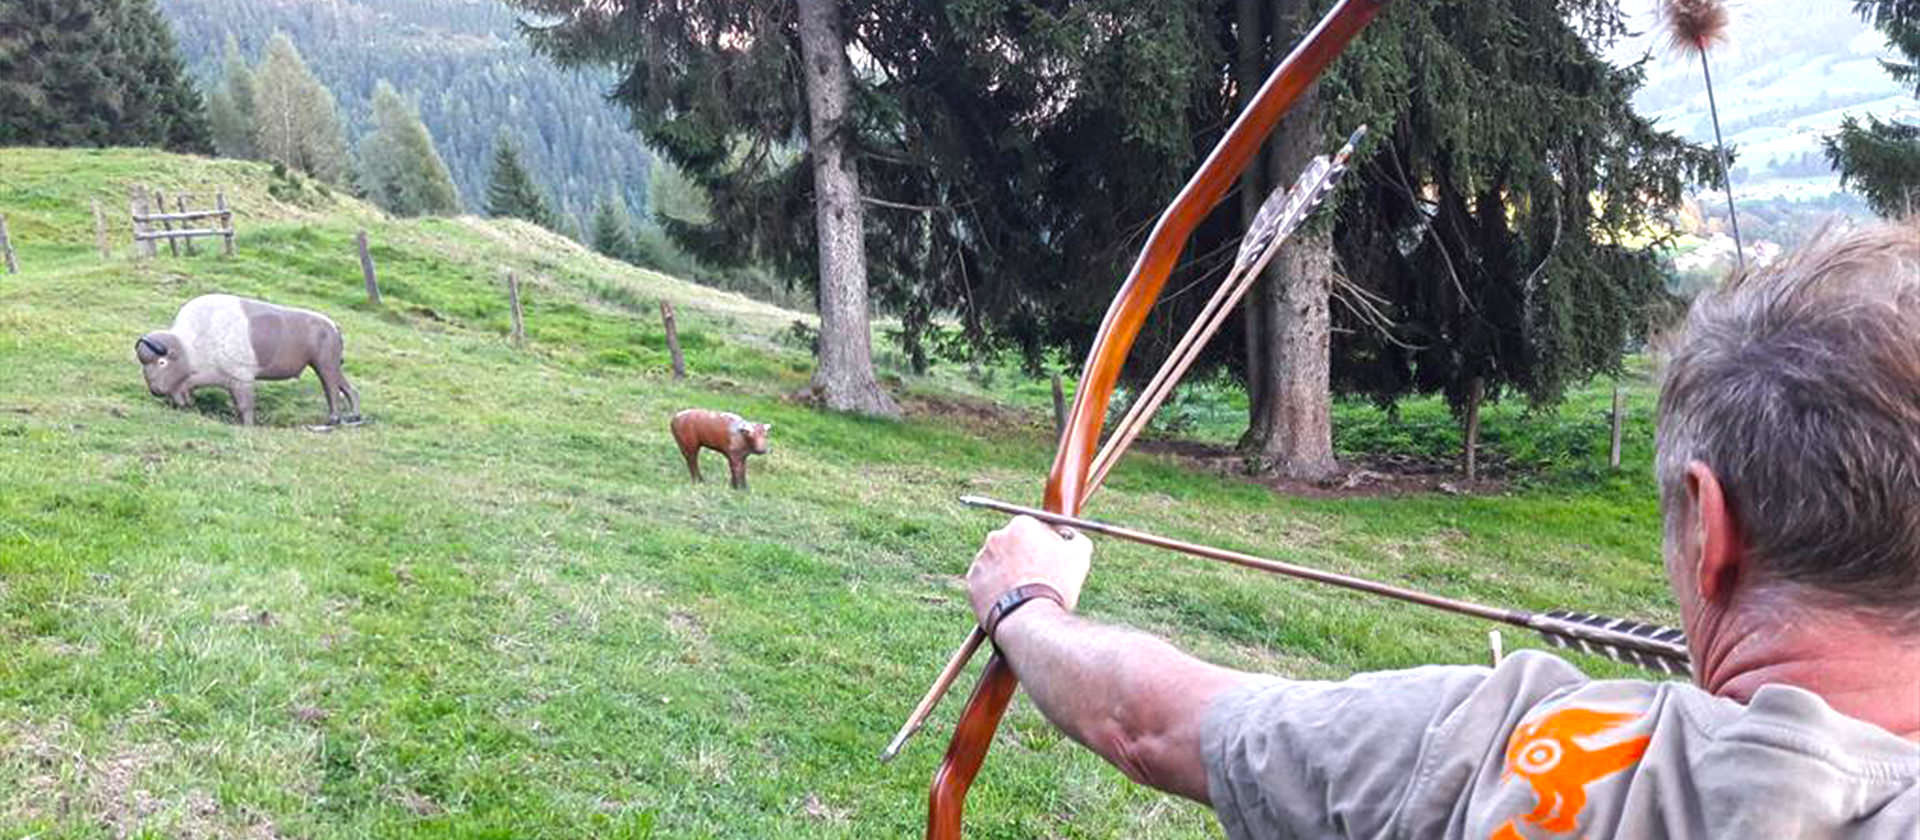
[(500, 610)]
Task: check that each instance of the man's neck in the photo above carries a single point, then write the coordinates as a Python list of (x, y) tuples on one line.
[(1856, 666)]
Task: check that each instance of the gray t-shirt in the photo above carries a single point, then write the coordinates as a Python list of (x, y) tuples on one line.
[(1535, 749)]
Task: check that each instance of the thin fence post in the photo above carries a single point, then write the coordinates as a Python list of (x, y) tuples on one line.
[(6, 247), (366, 269), (226, 222), (160, 206), (180, 201), (1476, 391), (513, 304), (137, 206), (100, 231), (1619, 420), (1059, 407), (673, 340)]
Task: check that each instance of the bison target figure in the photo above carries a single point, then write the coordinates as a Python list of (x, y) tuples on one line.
[(230, 342)]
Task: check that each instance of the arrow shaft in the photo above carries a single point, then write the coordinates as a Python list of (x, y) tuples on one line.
[(1518, 618)]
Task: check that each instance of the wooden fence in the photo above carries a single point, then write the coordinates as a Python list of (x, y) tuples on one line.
[(151, 227)]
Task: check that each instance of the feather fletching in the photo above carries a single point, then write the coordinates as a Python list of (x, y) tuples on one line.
[(1649, 646), (1694, 25)]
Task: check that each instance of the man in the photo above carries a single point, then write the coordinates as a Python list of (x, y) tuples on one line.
[(1789, 473)]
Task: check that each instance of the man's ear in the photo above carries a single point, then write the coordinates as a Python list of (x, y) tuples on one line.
[(1717, 567)]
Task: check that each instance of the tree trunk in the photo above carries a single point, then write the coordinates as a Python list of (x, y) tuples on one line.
[(1250, 68), (1470, 442), (844, 375), (1290, 424), (1298, 439)]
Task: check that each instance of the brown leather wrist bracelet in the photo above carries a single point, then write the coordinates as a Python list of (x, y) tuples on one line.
[(1014, 599)]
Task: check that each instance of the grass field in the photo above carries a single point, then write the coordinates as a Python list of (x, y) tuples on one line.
[(500, 610)]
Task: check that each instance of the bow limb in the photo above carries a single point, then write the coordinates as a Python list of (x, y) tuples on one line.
[(1067, 485)]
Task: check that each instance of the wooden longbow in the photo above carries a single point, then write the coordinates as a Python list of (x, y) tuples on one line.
[(1068, 482)]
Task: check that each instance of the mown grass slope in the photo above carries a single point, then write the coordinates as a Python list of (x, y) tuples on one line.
[(500, 610)]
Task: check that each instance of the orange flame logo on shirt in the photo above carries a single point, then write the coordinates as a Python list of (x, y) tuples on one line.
[(1545, 754)]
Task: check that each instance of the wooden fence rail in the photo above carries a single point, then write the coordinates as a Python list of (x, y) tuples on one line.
[(184, 216), (182, 233), (150, 227)]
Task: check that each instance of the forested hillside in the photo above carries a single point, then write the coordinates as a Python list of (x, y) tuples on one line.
[(466, 65)]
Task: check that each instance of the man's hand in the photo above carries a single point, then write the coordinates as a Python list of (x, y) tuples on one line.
[(1027, 551)]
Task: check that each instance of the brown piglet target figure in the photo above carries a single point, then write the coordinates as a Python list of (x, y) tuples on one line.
[(723, 432)]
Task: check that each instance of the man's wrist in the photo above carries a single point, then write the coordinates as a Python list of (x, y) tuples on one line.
[(1036, 612), (1014, 599)]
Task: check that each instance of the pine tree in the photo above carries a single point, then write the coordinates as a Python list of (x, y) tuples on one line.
[(231, 107), (399, 167), (511, 192), (95, 73), (613, 228), (296, 124)]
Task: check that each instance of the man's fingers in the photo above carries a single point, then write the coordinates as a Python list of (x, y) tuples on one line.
[(1028, 523)]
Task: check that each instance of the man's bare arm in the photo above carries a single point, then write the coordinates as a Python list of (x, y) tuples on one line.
[(1137, 701)]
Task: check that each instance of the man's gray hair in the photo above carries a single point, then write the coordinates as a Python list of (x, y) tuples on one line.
[(1799, 385)]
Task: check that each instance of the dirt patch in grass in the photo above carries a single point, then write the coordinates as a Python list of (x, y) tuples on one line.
[(1365, 476), (112, 789), (973, 415)]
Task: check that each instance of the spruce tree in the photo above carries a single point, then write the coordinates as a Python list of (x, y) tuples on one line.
[(399, 167), (612, 228), (296, 123), (230, 109), (1880, 159), (95, 73), (511, 191)]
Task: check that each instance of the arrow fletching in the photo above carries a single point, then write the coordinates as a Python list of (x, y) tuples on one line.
[(1285, 210), (1649, 646)]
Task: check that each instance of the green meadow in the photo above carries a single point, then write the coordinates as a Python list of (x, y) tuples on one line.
[(500, 609)]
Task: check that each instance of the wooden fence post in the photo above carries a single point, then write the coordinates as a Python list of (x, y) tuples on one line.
[(226, 222), (160, 207), (673, 340), (513, 304), (180, 201), (366, 269), (137, 205), (1476, 391), (6, 247), (1059, 406), (100, 231), (1619, 420)]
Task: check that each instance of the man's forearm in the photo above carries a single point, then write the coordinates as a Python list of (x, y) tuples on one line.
[(1134, 699)]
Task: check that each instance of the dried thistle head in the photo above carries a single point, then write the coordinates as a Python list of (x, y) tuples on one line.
[(1694, 25)]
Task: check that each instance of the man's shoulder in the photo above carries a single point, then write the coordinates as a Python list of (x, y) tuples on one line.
[(1784, 720), (1534, 747), (1670, 759)]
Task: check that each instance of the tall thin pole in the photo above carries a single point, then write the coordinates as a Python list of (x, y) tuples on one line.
[(513, 307), (1720, 157), (100, 231), (366, 268), (6, 249)]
